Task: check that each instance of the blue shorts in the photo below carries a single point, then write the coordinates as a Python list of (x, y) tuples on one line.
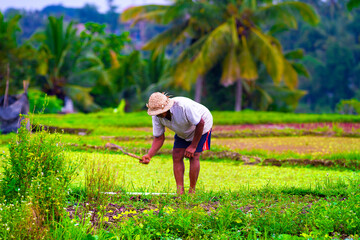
[(204, 143)]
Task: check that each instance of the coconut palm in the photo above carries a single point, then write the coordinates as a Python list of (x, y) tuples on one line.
[(188, 21), (236, 40), (241, 45), (55, 43)]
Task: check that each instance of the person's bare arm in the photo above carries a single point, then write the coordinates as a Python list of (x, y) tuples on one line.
[(155, 146), (190, 150)]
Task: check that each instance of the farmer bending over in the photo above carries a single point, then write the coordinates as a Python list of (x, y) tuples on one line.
[(191, 122)]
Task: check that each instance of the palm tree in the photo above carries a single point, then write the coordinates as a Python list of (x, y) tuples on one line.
[(241, 45), (55, 43), (188, 22), (236, 40)]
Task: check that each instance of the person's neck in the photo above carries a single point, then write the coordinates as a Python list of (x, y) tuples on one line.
[(168, 115)]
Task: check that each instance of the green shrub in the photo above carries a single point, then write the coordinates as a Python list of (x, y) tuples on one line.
[(37, 172), (18, 222), (40, 102), (351, 106)]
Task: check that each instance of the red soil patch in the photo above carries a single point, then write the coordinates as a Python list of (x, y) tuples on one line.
[(304, 145), (347, 127)]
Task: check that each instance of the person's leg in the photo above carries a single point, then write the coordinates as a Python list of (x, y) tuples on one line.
[(179, 168), (194, 171)]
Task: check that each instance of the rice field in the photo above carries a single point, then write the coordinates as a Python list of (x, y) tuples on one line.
[(235, 199), (217, 175)]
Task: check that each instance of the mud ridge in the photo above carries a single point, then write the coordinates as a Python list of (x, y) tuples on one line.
[(54, 129)]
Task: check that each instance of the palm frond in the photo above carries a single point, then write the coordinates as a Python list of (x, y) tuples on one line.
[(290, 76), (278, 28), (283, 95), (138, 12), (248, 69), (294, 54), (193, 50), (269, 54), (301, 69), (286, 12), (264, 98), (230, 69), (156, 16), (217, 44), (160, 41), (185, 74)]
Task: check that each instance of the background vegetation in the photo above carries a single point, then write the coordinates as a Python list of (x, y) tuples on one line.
[(97, 59)]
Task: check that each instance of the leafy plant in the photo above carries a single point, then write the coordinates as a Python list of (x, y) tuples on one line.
[(37, 171), (40, 102), (351, 106)]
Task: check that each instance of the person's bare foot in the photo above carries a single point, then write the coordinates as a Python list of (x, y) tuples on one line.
[(180, 190), (192, 191)]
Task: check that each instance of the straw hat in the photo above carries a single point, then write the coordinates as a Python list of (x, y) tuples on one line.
[(159, 103)]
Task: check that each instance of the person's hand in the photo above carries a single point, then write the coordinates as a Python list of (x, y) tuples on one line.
[(189, 151), (145, 159)]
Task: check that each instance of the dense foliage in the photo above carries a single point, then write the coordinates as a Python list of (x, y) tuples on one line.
[(93, 58)]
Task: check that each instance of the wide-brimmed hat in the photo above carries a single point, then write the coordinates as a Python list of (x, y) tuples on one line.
[(159, 103)]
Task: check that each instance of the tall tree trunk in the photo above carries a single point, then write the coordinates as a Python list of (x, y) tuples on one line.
[(7, 86), (238, 95), (198, 88), (142, 27)]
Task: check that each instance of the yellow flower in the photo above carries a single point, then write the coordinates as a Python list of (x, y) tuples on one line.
[(238, 220)]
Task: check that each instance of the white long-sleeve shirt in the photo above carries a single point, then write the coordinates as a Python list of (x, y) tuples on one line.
[(185, 115)]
